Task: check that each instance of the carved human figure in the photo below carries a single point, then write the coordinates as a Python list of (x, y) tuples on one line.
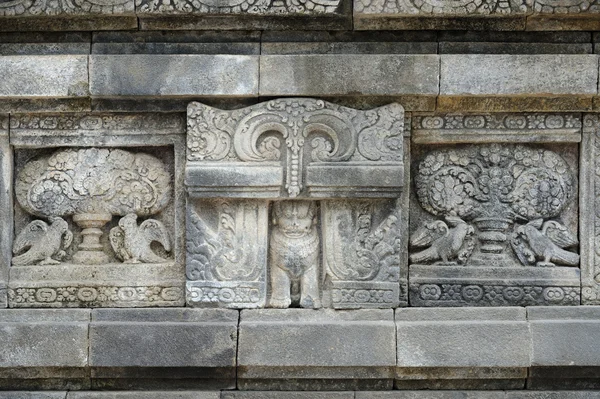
[(294, 251)]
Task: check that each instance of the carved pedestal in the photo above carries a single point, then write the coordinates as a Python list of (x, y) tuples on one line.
[(296, 202), (95, 223), (495, 224)]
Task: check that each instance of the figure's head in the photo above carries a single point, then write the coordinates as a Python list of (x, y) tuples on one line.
[(294, 218), (58, 222), (128, 221)]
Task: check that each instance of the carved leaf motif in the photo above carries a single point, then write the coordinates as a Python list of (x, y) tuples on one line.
[(94, 180), (209, 133)]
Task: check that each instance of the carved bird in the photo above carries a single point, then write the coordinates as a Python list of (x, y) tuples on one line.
[(444, 243), (132, 243), (43, 242), (546, 245)]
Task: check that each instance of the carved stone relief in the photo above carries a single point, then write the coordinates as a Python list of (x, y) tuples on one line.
[(95, 225), (239, 6), (254, 176), (38, 7), (499, 226)]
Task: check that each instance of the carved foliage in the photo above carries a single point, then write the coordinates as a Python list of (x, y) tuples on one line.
[(58, 7), (295, 131), (493, 187), (93, 180), (227, 251), (240, 6), (453, 7), (358, 248)]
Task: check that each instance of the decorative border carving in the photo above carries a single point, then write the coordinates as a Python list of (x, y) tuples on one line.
[(64, 7), (492, 295), (79, 296), (265, 7)]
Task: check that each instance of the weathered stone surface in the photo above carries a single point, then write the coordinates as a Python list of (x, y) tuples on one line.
[(44, 76), (165, 345), (46, 349), (103, 182), (144, 395), (498, 244), (169, 75), (238, 154), (517, 128), (289, 395), (589, 231), (161, 42), (462, 345), (564, 347), (522, 103), (6, 182), (343, 75), (207, 14), (325, 349), (32, 395), (431, 395), (553, 395), (518, 74)]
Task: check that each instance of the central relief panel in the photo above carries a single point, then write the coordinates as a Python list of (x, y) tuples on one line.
[(296, 202)]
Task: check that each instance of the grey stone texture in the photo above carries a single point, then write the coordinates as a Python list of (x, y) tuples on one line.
[(45, 349), (324, 349), (99, 270), (518, 74), (458, 347), (289, 395), (158, 347), (144, 395), (44, 76), (590, 181), (344, 75), (171, 75)]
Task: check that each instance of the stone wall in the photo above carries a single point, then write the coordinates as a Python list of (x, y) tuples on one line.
[(299, 199)]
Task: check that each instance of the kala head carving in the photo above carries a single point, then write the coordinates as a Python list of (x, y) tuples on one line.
[(294, 251), (93, 184)]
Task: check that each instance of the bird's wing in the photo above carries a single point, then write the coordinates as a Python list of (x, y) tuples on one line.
[(428, 233), (522, 250), (559, 234), (117, 241), (32, 233), (154, 230)]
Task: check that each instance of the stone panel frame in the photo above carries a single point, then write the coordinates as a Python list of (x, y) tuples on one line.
[(6, 206), (458, 285), (32, 132)]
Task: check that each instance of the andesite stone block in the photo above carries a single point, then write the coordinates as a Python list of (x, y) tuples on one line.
[(145, 395), (173, 75), (287, 395), (475, 74), (348, 75), (163, 346), (291, 349), (462, 347), (44, 76)]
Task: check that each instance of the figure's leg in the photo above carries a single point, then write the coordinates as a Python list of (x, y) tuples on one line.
[(309, 289), (280, 288)]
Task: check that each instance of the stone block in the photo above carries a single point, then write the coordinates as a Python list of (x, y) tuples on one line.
[(173, 75), (287, 395), (44, 76), (468, 347), (145, 395), (559, 394), (6, 212), (158, 348), (323, 349), (44, 349), (495, 75), (32, 395), (349, 75), (431, 395)]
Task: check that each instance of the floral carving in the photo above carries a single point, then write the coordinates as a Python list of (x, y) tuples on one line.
[(239, 6), (295, 132), (57, 7), (493, 186)]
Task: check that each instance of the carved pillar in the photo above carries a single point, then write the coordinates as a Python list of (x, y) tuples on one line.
[(280, 191)]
